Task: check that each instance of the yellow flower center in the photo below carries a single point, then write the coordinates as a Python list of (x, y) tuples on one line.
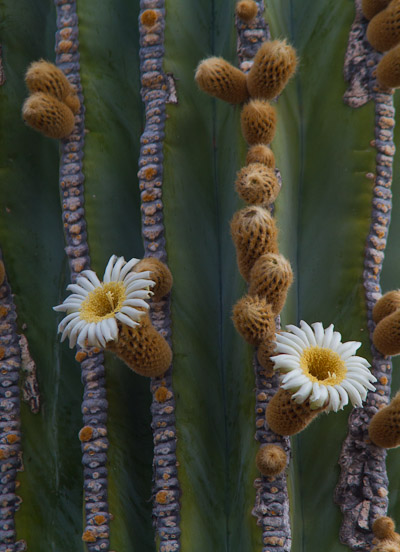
[(322, 365), (103, 302)]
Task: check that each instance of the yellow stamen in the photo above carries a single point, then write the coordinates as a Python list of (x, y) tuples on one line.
[(322, 365), (103, 302)]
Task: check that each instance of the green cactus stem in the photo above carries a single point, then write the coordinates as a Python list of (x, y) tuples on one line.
[(94, 405), (362, 491), (155, 94)]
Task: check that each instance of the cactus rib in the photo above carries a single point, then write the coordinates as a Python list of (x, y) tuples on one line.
[(10, 423), (272, 503), (94, 405), (166, 490), (362, 491)]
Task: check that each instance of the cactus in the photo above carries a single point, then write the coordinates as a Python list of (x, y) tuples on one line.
[(145, 166)]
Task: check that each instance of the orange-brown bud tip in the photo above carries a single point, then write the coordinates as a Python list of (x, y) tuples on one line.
[(48, 115), (257, 184), (160, 274), (383, 31), (72, 101), (254, 319), (388, 69), (386, 336), (384, 428), (246, 10), (386, 305), (258, 120), (43, 76), (274, 64), (271, 460), (218, 78), (149, 18), (261, 154), (372, 7), (254, 233), (383, 528), (271, 277)]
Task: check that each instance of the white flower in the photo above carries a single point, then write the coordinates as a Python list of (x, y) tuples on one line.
[(95, 307), (316, 365)]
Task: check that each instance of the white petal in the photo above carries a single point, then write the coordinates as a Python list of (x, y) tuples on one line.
[(65, 320), (113, 327), (92, 339), (138, 284), (344, 398), (71, 306), (303, 393), (283, 339), (77, 289), (309, 333), (117, 269), (126, 320), (294, 339), (300, 333), (284, 364), (359, 359), (69, 327), (82, 335), (127, 268), (328, 334), (75, 332), (132, 313), (316, 392), (145, 275), (105, 330), (99, 334), (323, 396), (334, 399), (139, 294), (352, 392), (347, 349), (85, 283), (362, 381), (61, 308), (319, 332), (135, 303), (335, 342), (293, 374), (92, 276), (108, 270), (294, 383)]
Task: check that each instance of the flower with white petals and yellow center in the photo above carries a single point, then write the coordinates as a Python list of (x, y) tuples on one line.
[(94, 308), (316, 365)]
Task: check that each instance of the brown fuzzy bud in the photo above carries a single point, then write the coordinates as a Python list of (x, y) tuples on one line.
[(384, 428), (285, 417), (254, 233), (257, 184), (246, 10), (387, 546), (386, 336), (383, 528), (266, 350), (160, 274), (372, 7), (271, 460), (388, 69), (383, 31), (2, 273), (386, 305), (261, 154), (142, 348), (254, 320), (72, 101), (48, 115), (46, 77), (271, 277), (274, 64), (218, 78), (258, 120)]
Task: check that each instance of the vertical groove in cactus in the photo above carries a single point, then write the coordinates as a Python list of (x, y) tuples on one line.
[(94, 405), (10, 423), (166, 490), (368, 463)]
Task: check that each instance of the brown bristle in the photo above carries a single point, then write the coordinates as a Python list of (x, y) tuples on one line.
[(143, 349), (386, 336), (48, 115), (388, 69), (271, 460), (271, 277), (246, 10), (371, 7), (258, 120), (72, 101), (253, 319), (384, 428), (383, 31), (274, 64), (43, 76), (160, 274), (257, 184), (261, 154), (267, 349), (254, 233), (218, 78), (386, 305), (285, 417)]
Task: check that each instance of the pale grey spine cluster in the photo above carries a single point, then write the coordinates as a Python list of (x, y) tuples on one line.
[(94, 405), (362, 491), (272, 503), (155, 94)]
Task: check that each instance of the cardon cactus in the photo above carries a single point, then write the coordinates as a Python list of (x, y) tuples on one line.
[(130, 157)]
